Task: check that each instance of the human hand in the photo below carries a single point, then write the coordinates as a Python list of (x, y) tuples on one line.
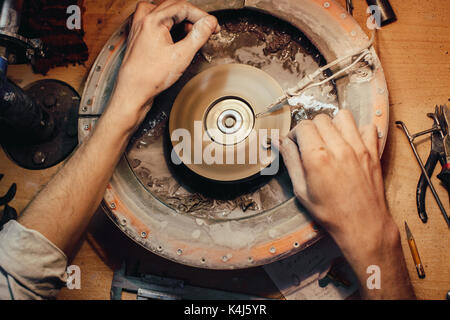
[(153, 62), (336, 174)]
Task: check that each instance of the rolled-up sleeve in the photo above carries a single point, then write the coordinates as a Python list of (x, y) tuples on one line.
[(31, 267)]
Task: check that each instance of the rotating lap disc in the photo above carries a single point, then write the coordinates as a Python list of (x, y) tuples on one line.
[(213, 126)]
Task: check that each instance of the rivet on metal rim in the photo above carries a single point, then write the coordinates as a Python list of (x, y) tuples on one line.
[(379, 113), (111, 47), (86, 127), (273, 250), (84, 109), (112, 205), (381, 90), (143, 234), (326, 5), (250, 259), (159, 249), (98, 68), (203, 260), (179, 252), (296, 244), (123, 221), (343, 15), (224, 258), (89, 102)]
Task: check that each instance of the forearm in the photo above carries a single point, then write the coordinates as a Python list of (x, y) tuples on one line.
[(381, 250), (63, 209)]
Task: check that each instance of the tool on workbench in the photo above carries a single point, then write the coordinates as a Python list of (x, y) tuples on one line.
[(414, 252), (150, 287), (438, 153), (308, 82), (14, 47), (38, 125), (387, 14), (440, 128), (8, 213)]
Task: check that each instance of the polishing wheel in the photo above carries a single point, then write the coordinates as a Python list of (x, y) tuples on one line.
[(223, 101)]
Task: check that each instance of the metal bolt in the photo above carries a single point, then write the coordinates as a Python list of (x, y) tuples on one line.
[(267, 144), (39, 158), (326, 4), (296, 245), (112, 205), (224, 258), (179, 252), (123, 222), (49, 100), (203, 260), (159, 248), (273, 250), (86, 127), (84, 109), (98, 68), (143, 234)]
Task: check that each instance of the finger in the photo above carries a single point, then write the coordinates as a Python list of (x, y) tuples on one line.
[(292, 160), (143, 8), (178, 12), (306, 136), (369, 136), (330, 135), (346, 125), (198, 36)]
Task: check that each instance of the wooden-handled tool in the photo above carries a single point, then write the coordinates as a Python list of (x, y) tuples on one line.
[(414, 252)]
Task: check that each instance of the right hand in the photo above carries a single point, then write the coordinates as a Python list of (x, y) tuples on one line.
[(336, 174)]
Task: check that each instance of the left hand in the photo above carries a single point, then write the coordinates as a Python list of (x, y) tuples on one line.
[(153, 62)]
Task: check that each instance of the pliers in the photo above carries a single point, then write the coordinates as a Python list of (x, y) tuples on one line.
[(437, 154)]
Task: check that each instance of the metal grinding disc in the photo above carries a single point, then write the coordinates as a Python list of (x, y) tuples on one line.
[(223, 101)]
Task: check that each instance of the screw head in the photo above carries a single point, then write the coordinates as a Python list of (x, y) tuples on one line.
[(39, 157)]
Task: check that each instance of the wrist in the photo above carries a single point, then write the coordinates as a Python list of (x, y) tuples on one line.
[(125, 115)]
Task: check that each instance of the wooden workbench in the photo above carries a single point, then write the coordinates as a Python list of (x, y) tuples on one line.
[(414, 54)]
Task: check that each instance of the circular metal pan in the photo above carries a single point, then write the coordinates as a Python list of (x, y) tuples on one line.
[(254, 240)]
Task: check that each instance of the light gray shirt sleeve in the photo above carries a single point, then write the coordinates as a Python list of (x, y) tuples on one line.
[(31, 267)]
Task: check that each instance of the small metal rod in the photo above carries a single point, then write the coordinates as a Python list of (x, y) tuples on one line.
[(419, 160), (414, 136)]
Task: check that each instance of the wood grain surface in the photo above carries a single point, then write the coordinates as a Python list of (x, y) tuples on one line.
[(415, 55)]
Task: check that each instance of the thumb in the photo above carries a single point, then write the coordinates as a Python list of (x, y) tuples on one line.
[(197, 37)]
